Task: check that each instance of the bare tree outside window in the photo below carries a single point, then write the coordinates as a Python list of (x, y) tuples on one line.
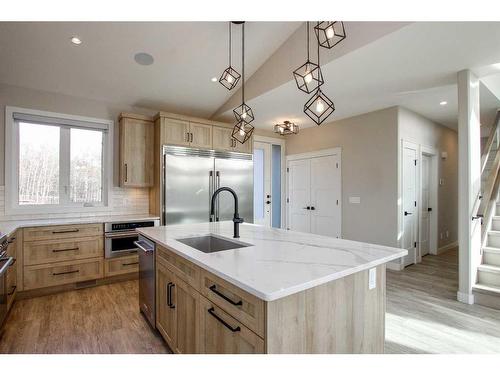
[(38, 164)]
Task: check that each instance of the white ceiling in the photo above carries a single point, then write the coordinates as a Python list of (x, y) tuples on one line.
[(187, 55), (411, 65), (415, 66)]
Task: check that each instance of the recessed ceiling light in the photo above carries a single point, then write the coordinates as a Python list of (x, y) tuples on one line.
[(444, 102), (214, 79), (143, 58), (76, 41)]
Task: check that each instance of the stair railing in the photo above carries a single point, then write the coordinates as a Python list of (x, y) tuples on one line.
[(486, 199)]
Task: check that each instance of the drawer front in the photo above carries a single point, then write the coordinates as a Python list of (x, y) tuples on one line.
[(243, 306), (121, 265), (184, 269), (50, 251), (220, 333), (63, 231), (62, 273)]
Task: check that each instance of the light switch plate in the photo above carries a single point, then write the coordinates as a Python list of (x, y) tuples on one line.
[(372, 278), (355, 200)]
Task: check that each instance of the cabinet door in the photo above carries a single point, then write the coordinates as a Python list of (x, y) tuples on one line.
[(222, 139), (187, 305), (136, 153), (220, 333), (201, 135), (165, 305), (175, 132), (12, 272)]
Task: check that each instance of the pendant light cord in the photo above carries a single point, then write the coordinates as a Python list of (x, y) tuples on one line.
[(319, 66), (230, 43), (307, 26), (243, 62)]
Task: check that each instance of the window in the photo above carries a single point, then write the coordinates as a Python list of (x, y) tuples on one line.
[(57, 162)]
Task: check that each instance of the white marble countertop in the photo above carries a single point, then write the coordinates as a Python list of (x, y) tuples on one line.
[(279, 262), (8, 227)]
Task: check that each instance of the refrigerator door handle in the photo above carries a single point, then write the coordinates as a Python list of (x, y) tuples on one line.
[(217, 185), (210, 193)]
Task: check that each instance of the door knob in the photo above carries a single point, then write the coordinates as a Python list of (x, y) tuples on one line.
[(313, 208), (268, 202), (408, 213), (429, 209), (306, 208)]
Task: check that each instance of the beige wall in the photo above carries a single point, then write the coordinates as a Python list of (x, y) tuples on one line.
[(420, 130), (369, 171)]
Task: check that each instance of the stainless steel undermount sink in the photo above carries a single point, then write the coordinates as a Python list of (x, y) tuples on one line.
[(211, 244)]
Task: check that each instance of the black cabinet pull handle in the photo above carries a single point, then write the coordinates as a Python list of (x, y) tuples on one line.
[(211, 311), (11, 240), (313, 208), (64, 273), (14, 287), (306, 208), (213, 288), (129, 264), (268, 202), (65, 231), (408, 213), (61, 250), (170, 286)]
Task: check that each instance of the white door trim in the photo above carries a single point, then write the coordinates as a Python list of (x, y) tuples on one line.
[(284, 181), (434, 183), (415, 147), (308, 155)]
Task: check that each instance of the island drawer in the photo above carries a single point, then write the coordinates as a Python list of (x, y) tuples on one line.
[(62, 231), (50, 251), (242, 305), (220, 333), (184, 269), (60, 273), (121, 265)]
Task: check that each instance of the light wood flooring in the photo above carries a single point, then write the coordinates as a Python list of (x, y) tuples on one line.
[(423, 316), (104, 319)]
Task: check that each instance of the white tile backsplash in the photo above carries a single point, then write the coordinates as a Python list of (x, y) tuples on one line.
[(123, 202)]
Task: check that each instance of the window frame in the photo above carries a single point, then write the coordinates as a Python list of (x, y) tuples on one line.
[(12, 206)]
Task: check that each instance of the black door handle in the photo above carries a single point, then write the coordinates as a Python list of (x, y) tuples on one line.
[(268, 202), (429, 209), (408, 213), (313, 208), (306, 208)]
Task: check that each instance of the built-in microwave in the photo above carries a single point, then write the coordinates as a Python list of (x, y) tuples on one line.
[(119, 237)]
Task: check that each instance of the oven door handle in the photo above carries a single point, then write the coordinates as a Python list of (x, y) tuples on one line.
[(138, 244), (6, 265), (121, 235)]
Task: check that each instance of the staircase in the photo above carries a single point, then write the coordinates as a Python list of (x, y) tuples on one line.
[(487, 288)]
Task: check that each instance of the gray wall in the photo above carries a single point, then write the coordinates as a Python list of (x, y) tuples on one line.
[(369, 171)]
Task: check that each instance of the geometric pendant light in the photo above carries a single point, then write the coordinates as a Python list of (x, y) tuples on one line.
[(330, 33), (319, 106), (242, 131), (308, 76), (230, 77)]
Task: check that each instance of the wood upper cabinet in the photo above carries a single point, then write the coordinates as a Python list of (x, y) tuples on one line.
[(200, 135), (221, 333), (175, 132), (165, 308), (223, 140), (136, 151)]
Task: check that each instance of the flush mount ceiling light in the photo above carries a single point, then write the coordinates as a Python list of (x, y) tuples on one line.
[(143, 58), (75, 40), (286, 128), (242, 131), (330, 33), (230, 77), (308, 76), (444, 102)]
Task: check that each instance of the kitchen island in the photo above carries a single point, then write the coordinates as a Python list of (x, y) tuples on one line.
[(282, 292)]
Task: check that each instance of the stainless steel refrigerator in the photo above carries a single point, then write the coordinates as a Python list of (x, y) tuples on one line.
[(192, 175)]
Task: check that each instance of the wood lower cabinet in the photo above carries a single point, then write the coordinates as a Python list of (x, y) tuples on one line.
[(136, 151), (166, 315), (187, 306), (49, 251), (121, 265), (221, 333), (12, 271)]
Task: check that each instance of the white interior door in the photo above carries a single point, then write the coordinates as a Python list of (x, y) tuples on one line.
[(425, 213), (325, 196), (299, 195), (409, 203), (262, 183)]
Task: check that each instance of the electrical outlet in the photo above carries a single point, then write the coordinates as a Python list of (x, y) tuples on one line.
[(372, 278)]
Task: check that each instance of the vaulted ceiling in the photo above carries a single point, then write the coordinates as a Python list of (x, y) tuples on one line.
[(380, 64)]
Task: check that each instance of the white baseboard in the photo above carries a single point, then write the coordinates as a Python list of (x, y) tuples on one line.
[(395, 265), (444, 248), (465, 298)]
